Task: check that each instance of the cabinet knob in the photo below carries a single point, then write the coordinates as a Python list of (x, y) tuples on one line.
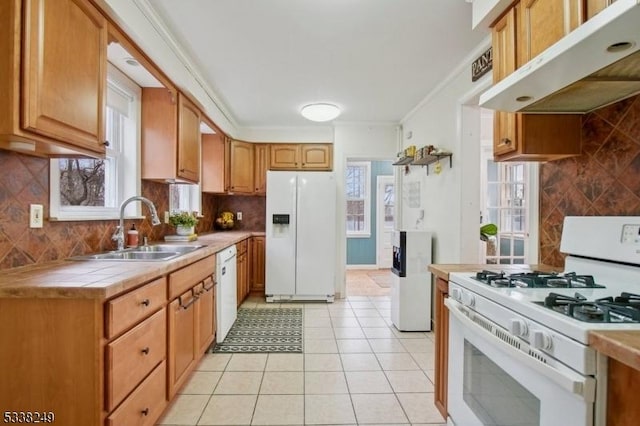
[(106, 143), (145, 412), (182, 170), (145, 350), (145, 302), (506, 141)]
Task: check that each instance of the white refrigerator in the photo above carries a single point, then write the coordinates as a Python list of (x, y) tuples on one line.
[(300, 236)]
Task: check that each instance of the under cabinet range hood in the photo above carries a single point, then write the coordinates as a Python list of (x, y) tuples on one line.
[(595, 65)]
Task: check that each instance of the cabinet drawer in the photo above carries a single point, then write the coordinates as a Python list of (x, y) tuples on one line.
[(132, 356), (125, 311), (185, 278), (241, 247), (145, 405)]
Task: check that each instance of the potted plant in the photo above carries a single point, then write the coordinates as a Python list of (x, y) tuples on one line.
[(184, 222)]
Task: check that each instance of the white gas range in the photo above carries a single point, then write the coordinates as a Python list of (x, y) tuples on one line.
[(518, 345)]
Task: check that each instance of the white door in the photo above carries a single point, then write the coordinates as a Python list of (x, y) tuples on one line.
[(384, 220)]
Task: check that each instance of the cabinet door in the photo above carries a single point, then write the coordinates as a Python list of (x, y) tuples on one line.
[(63, 92), (504, 63), (257, 265), (241, 167), (543, 22), (213, 164), (316, 157), (284, 156), (441, 331), (206, 315), (242, 278), (261, 155), (182, 339), (188, 140)]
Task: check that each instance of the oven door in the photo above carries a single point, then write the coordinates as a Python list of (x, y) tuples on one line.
[(492, 381)]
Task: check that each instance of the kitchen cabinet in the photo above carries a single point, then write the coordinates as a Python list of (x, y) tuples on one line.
[(301, 157), (187, 316), (623, 385), (242, 271), (257, 269), (441, 331), (528, 137), (261, 157), (54, 61), (103, 356), (206, 307), (241, 167), (170, 137), (213, 164), (596, 6)]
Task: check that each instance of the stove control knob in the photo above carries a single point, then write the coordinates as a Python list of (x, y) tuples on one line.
[(468, 299), (518, 327), (456, 294), (541, 340)]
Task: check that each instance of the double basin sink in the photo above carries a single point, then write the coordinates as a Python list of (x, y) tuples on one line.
[(158, 252)]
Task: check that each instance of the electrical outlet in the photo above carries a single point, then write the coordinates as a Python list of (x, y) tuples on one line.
[(36, 211), (239, 215), (166, 217)]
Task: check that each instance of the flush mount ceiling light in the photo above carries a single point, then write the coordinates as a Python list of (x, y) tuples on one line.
[(320, 112)]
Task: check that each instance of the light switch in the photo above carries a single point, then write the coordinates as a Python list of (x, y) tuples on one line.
[(36, 211)]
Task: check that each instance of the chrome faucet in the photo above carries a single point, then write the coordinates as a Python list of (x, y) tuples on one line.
[(118, 234)]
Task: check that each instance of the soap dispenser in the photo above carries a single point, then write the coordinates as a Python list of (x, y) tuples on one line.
[(132, 236)]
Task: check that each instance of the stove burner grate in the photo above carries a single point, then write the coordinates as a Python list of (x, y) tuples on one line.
[(537, 279), (620, 309)]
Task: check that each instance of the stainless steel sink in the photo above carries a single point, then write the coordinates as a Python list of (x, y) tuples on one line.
[(159, 252)]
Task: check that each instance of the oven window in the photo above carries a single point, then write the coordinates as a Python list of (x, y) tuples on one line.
[(493, 395)]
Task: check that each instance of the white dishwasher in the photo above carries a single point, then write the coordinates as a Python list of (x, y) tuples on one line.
[(226, 296)]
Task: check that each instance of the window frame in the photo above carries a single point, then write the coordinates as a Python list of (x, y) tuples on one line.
[(127, 157), (366, 232)]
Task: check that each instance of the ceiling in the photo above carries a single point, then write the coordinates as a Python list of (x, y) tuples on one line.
[(376, 59)]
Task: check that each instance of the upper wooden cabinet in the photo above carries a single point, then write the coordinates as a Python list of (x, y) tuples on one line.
[(517, 37), (543, 22), (241, 167), (261, 160), (53, 66), (595, 6), (170, 137), (213, 163), (301, 157)]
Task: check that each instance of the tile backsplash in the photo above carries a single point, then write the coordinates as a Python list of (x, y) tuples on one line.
[(603, 181), (25, 181)]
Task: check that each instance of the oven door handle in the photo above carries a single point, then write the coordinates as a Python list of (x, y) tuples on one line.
[(572, 382)]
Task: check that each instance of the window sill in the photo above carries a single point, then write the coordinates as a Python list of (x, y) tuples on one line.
[(367, 235), (92, 218)]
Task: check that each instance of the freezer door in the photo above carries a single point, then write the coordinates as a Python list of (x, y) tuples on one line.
[(316, 246), (280, 236)]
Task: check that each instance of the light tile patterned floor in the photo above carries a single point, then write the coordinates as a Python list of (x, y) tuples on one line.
[(356, 369)]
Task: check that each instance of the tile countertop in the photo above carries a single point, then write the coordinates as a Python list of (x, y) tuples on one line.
[(443, 270), (104, 279)]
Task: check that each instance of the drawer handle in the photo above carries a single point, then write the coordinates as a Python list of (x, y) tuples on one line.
[(191, 302), (146, 350), (506, 141), (145, 412), (145, 302)]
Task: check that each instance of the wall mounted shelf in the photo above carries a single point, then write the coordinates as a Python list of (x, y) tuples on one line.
[(403, 161), (432, 158)]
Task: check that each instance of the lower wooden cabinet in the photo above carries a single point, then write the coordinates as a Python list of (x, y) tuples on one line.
[(191, 319), (441, 330), (182, 342), (257, 266), (145, 405), (242, 271)]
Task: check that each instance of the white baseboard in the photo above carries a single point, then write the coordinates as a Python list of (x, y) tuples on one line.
[(362, 266)]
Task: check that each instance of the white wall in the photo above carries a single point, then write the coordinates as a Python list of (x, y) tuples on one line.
[(356, 141), (450, 200)]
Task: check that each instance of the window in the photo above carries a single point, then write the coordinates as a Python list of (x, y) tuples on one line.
[(358, 199), (184, 198), (83, 188), (507, 207)]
